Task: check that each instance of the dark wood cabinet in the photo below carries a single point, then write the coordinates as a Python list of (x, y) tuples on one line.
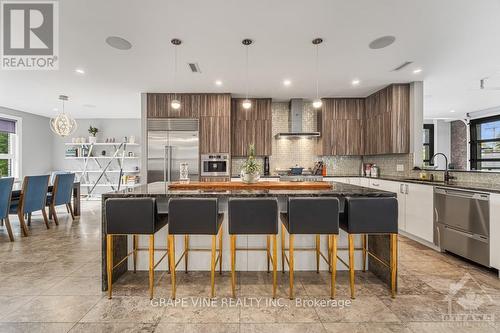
[(387, 121), (252, 126), (342, 126), (212, 110)]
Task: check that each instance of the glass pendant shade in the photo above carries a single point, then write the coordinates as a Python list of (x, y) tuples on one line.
[(175, 104), (63, 125), (317, 103), (247, 104)]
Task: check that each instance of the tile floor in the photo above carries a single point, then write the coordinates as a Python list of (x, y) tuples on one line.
[(50, 282)]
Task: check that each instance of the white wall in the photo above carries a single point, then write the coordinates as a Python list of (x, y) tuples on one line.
[(36, 150), (442, 142)]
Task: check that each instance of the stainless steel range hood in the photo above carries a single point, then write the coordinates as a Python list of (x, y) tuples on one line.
[(296, 110)]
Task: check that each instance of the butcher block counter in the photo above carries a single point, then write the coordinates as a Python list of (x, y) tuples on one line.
[(253, 260), (263, 185)]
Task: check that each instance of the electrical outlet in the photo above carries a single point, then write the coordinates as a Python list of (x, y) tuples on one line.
[(400, 167)]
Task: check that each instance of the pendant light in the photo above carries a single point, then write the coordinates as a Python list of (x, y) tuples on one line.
[(247, 104), (317, 103), (63, 125), (175, 104)]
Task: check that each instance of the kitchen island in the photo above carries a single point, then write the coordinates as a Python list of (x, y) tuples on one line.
[(252, 260)]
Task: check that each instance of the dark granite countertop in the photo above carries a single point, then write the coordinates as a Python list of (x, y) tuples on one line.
[(159, 189), (471, 186)]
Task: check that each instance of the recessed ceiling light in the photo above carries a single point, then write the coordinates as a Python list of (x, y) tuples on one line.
[(55, 109), (382, 42), (452, 111), (118, 43), (418, 70), (79, 71), (355, 82), (218, 82), (286, 83)]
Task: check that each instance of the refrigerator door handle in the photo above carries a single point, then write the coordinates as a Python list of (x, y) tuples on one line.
[(167, 163)]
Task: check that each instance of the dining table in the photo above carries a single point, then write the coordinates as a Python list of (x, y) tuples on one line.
[(16, 193)]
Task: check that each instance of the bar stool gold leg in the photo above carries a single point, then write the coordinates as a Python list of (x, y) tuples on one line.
[(171, 254), (233, 258), (351, 264), (329, 246), (212, 266), (394, 263), (135, 241), (317, 252), (290, 262), (151, 265), (333, 263), (364, 239), (268, 251), (109, 263), (275, 264), (168, 249), (186, 252), (282, 248), (220, 249)]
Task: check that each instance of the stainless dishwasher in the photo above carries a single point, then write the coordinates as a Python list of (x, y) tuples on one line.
[(462, 223)]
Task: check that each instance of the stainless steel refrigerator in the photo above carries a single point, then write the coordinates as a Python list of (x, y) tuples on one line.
[(171, 142)]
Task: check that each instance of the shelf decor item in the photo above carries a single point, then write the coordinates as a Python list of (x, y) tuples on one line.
[(63, 125), (250, 171), (93, 132)]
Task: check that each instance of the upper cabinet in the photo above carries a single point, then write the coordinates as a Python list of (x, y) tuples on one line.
[(252, 126), (387, 121), (342, 126), (212, 110)]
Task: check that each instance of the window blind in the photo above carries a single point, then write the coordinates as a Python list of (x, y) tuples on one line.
[(7, 125)]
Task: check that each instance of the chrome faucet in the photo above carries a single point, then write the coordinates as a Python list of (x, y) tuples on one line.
[(447, 176)]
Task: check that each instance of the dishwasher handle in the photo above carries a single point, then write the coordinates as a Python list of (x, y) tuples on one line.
[(462, 194)]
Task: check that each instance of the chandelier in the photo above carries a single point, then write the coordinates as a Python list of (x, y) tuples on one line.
[(63, 125)]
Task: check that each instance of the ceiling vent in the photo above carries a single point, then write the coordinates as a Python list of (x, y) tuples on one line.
[(403, 65), (194, 67)]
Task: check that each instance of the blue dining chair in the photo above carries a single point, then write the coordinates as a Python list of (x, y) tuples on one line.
[(5, 195), (33, 198), (61, 194)]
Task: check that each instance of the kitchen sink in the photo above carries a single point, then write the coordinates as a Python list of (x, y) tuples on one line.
[(425, 180)]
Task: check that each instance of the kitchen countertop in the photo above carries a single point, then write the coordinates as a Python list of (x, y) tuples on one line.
[(159, 189), (490, 187)]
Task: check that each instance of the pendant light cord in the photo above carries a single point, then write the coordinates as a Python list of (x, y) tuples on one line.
[(246, 74), (317, 71), (175, 71)]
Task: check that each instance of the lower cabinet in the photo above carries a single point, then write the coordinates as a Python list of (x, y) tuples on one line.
[(419, 207), (495, 230)]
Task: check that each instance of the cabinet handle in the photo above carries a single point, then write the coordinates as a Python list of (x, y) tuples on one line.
[(375, 184), (406, 191), (401, 189)]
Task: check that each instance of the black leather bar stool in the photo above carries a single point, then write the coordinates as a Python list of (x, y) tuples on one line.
[(315, 216), (371, 216), (255, 216), (195, 216), (133, 216)]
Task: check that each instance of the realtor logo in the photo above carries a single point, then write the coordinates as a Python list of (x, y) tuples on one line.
[(30, 36)]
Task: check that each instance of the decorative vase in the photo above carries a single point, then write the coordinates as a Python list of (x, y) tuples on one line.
[(92, 139), (249, 178)]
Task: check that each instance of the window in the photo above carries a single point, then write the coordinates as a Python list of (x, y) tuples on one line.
[(8, 148), (485, 143), (428, 141)]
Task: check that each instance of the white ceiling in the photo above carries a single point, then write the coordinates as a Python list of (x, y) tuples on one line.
[(455, 42)]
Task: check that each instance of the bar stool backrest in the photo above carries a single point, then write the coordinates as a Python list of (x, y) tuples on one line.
[(190, 216), (253, 216), (313, 215), (377, 215), (6, 184), (34, 193), (128, 216), (63, 187)]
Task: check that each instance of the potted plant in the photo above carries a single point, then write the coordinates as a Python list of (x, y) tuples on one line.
[(93, 132), (250, 171)]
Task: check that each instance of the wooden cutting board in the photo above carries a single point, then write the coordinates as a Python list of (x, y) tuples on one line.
[(264, 185)]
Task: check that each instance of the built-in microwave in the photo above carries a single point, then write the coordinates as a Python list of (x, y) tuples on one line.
[(215, 165)]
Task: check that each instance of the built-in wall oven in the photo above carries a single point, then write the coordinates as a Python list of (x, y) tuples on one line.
[(462, 223), (215, 165)]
